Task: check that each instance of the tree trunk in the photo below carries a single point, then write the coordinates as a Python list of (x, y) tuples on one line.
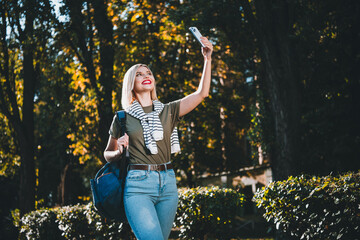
[(27, 168), (62, 186), (274, 25), (27, 178), (105, 32), (23, 125)]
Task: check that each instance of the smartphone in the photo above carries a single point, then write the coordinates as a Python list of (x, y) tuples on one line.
[(197, 34)]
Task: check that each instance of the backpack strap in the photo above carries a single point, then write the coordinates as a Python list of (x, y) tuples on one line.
[(122, 118), (123, 165)]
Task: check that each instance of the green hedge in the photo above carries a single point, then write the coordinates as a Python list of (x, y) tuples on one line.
[(208, 211), (40, 224), (201, 211), (314, 207), (69, 222)]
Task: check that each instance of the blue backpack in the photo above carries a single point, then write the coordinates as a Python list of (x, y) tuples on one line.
[(108, 185)]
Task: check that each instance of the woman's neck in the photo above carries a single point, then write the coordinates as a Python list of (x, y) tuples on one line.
[(144, 99)]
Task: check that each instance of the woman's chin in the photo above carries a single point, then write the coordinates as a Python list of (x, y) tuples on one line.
[(145, 88)]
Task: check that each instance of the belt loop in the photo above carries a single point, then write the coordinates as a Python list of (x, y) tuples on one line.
[(165, 167), (149, 168)]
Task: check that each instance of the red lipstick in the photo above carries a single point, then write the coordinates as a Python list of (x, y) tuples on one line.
[(147, 81)]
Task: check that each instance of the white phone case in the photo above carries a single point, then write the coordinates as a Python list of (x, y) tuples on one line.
[(197, 34)]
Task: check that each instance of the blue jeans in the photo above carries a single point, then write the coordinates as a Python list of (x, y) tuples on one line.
[(150, 199)]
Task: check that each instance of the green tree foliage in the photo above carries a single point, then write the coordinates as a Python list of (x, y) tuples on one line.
[(328, 60), (25, 29), (293, 51), (9, 159), (56, 117), (87, 38), (215, 136), (303, 76)]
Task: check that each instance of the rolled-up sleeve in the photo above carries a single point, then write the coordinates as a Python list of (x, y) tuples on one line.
[(115, 128)]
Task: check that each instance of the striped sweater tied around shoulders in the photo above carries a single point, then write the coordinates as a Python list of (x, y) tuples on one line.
[(152, 127)]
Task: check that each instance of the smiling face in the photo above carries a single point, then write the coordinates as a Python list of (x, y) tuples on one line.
[(144, 80)]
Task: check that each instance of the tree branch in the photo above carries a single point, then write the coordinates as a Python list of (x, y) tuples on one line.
[(17, 23), (10, 90), (89, 32), (74, 48), (77, 29)]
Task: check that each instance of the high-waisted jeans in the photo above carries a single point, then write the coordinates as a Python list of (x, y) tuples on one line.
[(150, 200)]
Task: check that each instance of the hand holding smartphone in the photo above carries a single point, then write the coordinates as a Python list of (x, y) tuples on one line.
[(196, 34)]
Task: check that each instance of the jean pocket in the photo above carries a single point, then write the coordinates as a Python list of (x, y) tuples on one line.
[(171, 173), (137, 175)]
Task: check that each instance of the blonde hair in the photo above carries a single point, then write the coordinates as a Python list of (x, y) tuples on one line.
[(128, 96)]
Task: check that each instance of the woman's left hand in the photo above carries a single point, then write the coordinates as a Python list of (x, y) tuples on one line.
[(208, 49)]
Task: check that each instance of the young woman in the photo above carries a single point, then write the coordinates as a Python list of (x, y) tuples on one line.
[(150, 195)]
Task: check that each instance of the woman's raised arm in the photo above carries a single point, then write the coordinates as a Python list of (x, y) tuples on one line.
[(191, 101)]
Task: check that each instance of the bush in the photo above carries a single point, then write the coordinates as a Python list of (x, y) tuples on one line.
[(314, 207), (40, 224), (70, 222), (208, 211), (201, 211), (74, 224)]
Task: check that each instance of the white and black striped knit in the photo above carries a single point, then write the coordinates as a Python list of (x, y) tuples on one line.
[(152, 128)]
